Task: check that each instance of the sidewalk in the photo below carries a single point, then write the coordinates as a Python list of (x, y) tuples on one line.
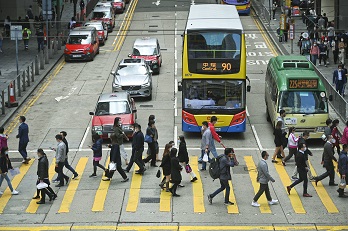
[(285, 47)]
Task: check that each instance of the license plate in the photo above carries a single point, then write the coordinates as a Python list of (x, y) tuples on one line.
[(76, 56), (133, 92)]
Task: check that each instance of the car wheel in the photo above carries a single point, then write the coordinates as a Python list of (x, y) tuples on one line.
[(150, 96)]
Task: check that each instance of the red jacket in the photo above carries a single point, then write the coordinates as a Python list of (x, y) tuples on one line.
[(213, 132)]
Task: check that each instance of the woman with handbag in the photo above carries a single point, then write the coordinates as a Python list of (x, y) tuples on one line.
[(175, 174), (97, 153), (150, 140), (5, 165), (166, 167), (115, 161), (184, 158)]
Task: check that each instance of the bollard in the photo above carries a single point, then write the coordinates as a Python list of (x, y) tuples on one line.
[(19, 85), (46, 55), (50, 50), (28, 76), (37, 66), (3, 102), (23, 81), (32, 71), (55, 45), (42, 63)]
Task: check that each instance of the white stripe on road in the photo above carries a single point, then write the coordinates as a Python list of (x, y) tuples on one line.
[(257, 138), (84, 138), (175, 107)]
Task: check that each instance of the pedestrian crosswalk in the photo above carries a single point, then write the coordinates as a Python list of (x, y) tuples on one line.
[(324, 196)]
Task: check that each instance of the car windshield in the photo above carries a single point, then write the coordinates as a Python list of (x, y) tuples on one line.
[(214, 94), (79, 39), (112, 108), (303, 102), (96, 26), (99, 14), (131, 70), (144, 50)]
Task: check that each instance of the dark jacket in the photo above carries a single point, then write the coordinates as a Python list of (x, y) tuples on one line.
[(166, 165), (182, 153), (42, 168), (97, 148), (138, 141), (328, 154), (151, 132), (225, 170), (300, 160), (23, 133), (301, 140), (278, 137), (343, 164), (67, 146), (343, 75), (175, 169), (5, 164), (119, 135), (115, 155)]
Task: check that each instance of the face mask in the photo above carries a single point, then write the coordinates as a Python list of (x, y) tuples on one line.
[(178, 141), (333, 141), (305, 149)]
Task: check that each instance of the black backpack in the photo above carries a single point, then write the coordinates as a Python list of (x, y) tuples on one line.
[(214, 167)]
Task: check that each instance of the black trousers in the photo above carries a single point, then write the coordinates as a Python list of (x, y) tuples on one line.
[(95, 165), (263, 189), (49, 191), (330, 172), (292, 151), (119, 170), (137, 159), (302, 172), (152, 156), (175, 186), (61, 175)]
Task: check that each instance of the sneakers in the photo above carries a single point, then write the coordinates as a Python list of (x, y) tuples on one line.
[(14, 192), (255, 204), (228, 203), (55, 181), (273, 202), (210, 199), (294, 178), (93, 175)]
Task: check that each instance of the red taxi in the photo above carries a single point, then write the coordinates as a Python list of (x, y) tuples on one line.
[(109, 107), (106, 15), (119, 6)]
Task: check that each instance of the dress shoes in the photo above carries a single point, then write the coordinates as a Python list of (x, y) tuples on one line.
[(288, 188), (333, 184), (52, 198), (59, 185), (40, 202), (343, 196), (307, 195), (125, 180), (36, 197)]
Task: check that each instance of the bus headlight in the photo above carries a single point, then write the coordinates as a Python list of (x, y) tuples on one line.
[(320, 129)]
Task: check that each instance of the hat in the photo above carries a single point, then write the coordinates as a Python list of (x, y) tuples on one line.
[(305, 35)]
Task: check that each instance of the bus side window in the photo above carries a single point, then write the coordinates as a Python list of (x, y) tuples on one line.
[(274, 90)]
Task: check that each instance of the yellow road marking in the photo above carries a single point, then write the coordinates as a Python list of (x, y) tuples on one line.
[(128, 19), (232, 208), (165, 199), (32, 208), (294, 197), (322, 193), (197, 188), (100, 196), (72, 187), (15, 182), (134, 191), (227, 228), (264, 208), (31, 102), (336, 167)]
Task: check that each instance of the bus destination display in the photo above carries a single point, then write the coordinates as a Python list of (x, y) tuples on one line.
[(303, 83), (214, 67)]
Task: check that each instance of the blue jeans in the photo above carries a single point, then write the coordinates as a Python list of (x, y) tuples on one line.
[(2, 176), (314, 59), (213, 149), (204, 164), (67, 165), (224, 185)]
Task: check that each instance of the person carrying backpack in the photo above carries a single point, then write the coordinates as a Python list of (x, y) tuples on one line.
[(26, 34), (220, 168)]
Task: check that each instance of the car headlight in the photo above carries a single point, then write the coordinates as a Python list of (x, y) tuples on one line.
[(146, 84), (66, 49), (154, 61), (97, 128), (320, 129), (100, 36), (128, 127)]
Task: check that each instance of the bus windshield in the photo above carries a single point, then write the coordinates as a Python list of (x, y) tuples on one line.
[(217, 48), (214, 94), (303, 102)]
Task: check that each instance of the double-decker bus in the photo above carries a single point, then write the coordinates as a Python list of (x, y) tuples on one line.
[(214, 69), (243, 6), (293, 85)]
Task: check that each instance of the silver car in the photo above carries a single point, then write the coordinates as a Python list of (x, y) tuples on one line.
[(133, 76)]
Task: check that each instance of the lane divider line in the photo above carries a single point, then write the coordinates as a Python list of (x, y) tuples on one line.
[(102, 191), (197, 188), (134, 190)]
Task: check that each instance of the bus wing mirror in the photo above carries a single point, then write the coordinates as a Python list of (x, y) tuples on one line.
[(179, 86), (248, 88), (330, 97)]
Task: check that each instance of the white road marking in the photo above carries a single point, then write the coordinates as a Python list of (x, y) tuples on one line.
[(175, 69), (157, 2), (175, 135), (59, 98), (247, 112), (257, 138), (175, 107), (84, 138), (176, 85), (175, 55)]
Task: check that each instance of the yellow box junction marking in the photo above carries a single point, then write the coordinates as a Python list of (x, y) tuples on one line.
[(294, 197), (100, 196), (72, 187), (134, 191), (322, 193), (232, 208), (165, 199), (264, 207), (32, 208), (4, 199), (197, 188)]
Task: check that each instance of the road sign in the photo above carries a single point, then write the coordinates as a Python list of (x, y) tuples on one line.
[(291, 32), (16, 32)]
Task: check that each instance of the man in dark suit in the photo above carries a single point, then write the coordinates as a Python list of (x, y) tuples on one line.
[(23, 136), (340, 79)]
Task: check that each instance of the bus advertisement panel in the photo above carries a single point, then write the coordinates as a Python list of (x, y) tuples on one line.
[(214, 69)]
